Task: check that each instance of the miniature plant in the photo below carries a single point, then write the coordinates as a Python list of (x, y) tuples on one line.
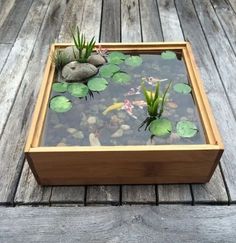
[(84, 47), (59, 59), (155, 101)]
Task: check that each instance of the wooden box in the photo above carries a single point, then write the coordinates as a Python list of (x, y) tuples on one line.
[(83, 165)]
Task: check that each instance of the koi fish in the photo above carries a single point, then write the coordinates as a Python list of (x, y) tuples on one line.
[(115, 106), (128, 107), (101, 51)]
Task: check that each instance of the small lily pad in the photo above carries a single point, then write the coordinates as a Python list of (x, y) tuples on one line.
[(186, 129), (59, 87), (116, 57), (78, 90), (168, 55), (97, 84), (182, 88), (134, 61), (108, 70), (160, 127), (60, 104), (121, 78)]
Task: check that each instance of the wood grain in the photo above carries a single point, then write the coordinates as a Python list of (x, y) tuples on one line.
[(12, 23), (5, 8), (4, 51), (119, 224), (213, 86), (25, 103)]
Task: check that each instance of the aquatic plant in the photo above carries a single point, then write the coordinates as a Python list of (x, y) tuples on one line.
[(84, 47), (60, 104), (186, 129), (59, 59), (155, 100), (182, 88)]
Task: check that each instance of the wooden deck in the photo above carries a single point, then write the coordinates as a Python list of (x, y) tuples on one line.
[(28, 27)]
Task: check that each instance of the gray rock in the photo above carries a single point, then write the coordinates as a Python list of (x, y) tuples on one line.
[(92, 120), (71, 130), (70, 53), (75, 71), (118, 133), (96, 60), (93, 140)]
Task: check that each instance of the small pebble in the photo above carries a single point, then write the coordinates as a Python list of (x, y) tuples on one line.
[(61, 144), (59, 126), (93, 140), (117, 134), (78, 135), (116, 120), (172, 105), (125, 127), (92, 120), (174, 138), (190, 110), (71, 130)]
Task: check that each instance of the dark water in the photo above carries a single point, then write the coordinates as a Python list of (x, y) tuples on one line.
[(73, 129)]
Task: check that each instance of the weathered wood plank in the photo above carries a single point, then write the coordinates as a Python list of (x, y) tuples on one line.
[(4, 51), (18, 58), (212, 192), (150, 21), (219, 46), (67, 194), (28, 191), (105, 194), (213, 86), (12, 140), (5, 8), (72, 18), (233, 4), (139, 194), (171, 28), (171, 32), (131, 32), (110, 29), (118, 224), (24, 105), (227, 18), (12, 24), (130, 21)]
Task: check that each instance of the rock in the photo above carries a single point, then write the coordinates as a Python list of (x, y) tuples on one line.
[(150, 142), (172, 105), (71, 130), (190, 110), (59, 125), (125, 127), (61, 144), (121, 114), (69, 53), (78, 135), (93, 140), (96, 60), (183, 118), (173, 138), (115, 120), (118, 133), (92, 120), (75, 71)]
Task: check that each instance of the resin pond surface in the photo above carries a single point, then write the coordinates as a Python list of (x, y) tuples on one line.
[(113, 116)]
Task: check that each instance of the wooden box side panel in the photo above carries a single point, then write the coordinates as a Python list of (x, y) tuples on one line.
[(126, 167)]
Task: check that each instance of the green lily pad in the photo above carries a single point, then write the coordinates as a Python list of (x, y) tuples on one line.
[(168, 55), (186, 129), (160, 127), (60, 104), (59, 87), (97, 84), (121, 78), (78, 90), (108, 70), (116, 57), (182, 88), (134, 61)]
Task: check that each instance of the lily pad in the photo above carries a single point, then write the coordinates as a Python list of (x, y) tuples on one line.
[(97, 84), (60, 104), (182, 88), (186, 129), (116, 57), (134, 61), (59, 87), (108, 70), (160, 127), (121, 78), (168, 55), (78, 90)]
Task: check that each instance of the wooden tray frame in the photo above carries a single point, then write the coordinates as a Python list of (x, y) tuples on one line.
[(74, 165)]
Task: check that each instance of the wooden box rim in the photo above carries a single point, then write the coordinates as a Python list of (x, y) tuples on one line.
[(212, 135)]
